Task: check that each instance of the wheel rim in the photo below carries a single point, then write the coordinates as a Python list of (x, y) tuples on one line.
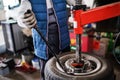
[(94, 62)]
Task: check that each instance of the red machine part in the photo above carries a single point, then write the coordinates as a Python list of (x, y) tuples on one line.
[(95, 15)]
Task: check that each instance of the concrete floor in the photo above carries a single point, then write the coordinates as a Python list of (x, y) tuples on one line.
[(18, 75)]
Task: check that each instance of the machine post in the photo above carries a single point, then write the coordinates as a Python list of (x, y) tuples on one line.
[(78, 31)]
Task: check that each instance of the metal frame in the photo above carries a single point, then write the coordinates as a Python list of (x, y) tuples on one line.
[(90, 16)]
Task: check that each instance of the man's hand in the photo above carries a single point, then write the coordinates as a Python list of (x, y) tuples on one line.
[(29, 19), (25, 20)]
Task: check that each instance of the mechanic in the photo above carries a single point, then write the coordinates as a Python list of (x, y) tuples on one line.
[(52, 19)]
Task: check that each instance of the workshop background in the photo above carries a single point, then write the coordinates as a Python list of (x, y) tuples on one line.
[(16, 46)]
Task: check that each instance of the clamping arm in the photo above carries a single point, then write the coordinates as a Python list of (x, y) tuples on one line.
[(94, 15)]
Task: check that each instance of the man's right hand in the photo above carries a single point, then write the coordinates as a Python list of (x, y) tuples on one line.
[(29, 19), (25, 16)]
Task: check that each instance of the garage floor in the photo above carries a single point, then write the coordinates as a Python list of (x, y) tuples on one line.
[(18, 75)]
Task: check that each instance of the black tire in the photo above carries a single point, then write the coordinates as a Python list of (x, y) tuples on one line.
[(116, 48), (53, 73)]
